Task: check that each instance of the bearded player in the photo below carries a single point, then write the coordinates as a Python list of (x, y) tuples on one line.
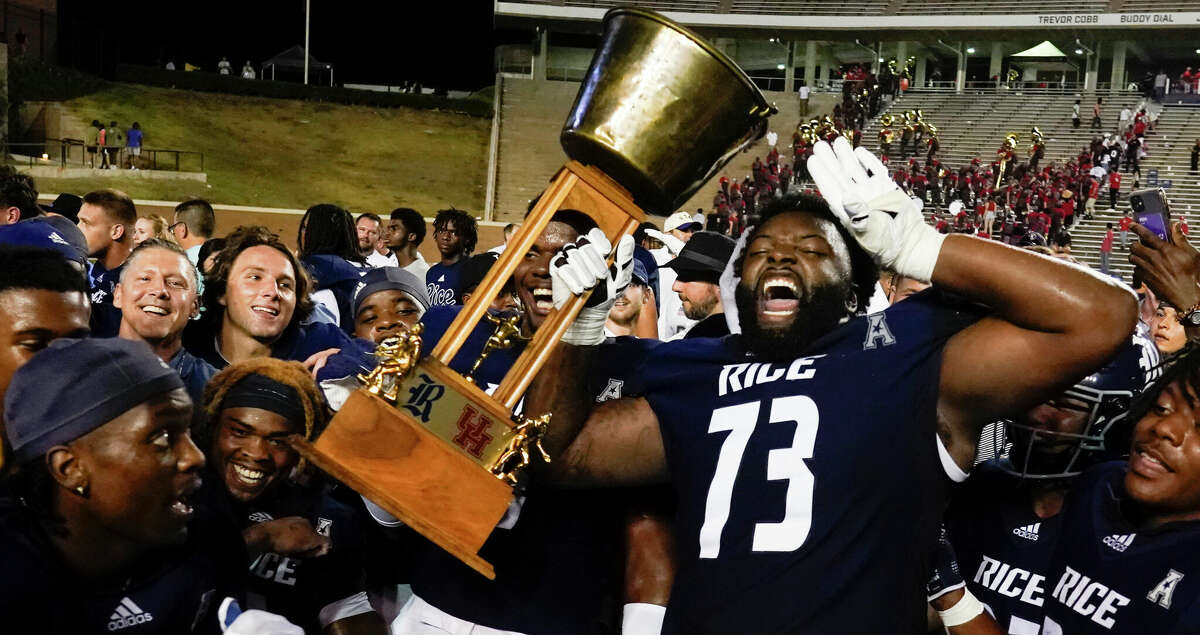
[(811, 453)]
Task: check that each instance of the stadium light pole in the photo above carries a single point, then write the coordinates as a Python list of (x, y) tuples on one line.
[(306, 7)]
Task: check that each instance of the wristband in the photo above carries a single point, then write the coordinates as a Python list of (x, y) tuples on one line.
[(966, 609), (638, 618)]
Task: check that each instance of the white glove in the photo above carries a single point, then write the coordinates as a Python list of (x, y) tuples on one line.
[(673, 244), (885, 221), (581, 266), (234, 621)]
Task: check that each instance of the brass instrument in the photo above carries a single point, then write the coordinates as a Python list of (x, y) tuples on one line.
[(1013, 74), (887, 120), (1006, 148)]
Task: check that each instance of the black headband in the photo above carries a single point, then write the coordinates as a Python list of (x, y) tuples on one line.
[(260, 391)]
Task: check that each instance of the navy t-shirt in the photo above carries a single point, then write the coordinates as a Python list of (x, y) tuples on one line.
[(195, 374), (171, 592), (106, 318), (560, 566), (442, 283), (1003, 548), (1107, 576), (810, 491), (298, 588)]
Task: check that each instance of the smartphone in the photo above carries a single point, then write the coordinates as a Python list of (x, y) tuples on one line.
[(1151, 211)]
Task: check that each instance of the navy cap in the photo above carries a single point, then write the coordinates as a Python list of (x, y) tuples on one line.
[(51, 232), (639, 273), (75, 386), (703, 252), (389, 278)]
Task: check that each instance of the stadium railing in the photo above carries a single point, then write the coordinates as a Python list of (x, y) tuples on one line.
[(71, 153)]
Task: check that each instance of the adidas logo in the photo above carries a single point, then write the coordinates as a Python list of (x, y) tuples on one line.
[(260, 517), (1028, 532), (1119, 542), (442, 278), (127, 614), (55, 238)]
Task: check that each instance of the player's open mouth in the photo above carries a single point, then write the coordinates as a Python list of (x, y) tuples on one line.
[(543, 300), (1148, 462), (263, 310), (779, 296), (156, 310), (182, 505), (247, 477)]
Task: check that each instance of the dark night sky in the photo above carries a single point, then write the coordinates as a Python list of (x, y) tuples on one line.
[(447, 44)]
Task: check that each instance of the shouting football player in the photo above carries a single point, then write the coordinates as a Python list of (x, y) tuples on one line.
[(812, 453)]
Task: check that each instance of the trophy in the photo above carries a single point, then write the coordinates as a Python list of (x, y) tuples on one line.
[(659, 112)]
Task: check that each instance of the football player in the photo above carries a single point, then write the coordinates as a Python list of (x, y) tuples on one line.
[(306, 550), (557, 554), (812, 453), (99, 527), (1004, 521), (1129, 557)]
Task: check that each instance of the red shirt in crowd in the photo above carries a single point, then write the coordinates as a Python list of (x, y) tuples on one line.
[(1125, 223), (1114, 180), (1106, 245), (1094, 189)]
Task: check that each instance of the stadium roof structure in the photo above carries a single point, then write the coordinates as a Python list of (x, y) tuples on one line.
[(1045, 49)]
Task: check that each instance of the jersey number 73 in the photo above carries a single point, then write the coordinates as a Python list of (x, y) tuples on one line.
[(782, 464)]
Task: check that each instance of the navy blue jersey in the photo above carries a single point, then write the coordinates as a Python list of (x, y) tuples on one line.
[(340, 276), (172, 592), (298, 588), (810, 491), (1003, 548), (106, 318), (1108, 576), (560, 564), (442, 283)]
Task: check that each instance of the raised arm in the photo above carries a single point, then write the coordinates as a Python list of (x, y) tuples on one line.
[(614, 443), (618, 443), (1054, 322)]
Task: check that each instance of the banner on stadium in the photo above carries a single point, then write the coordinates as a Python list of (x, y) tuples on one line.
[(845, 22)]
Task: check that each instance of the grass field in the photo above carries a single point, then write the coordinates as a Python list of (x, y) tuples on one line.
[(283, 153)]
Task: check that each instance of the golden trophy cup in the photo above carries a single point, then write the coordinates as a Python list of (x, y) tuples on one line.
[(659, 112)]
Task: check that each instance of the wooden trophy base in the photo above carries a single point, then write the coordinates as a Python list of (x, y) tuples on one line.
[(427, 459), (390, 458)]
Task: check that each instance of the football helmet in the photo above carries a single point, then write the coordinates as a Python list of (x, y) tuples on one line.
[(1105, 396)]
